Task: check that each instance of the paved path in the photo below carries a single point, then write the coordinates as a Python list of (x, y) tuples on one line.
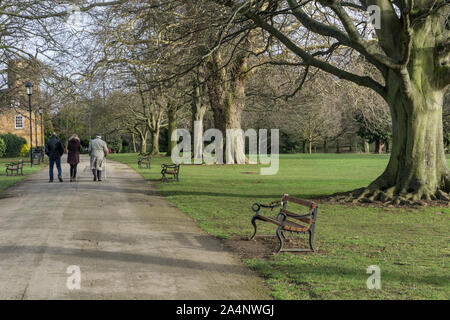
[(128, 242)]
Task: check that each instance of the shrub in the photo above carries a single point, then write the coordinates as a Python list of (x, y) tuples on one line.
[(25, 150), (13, 143), (2, 147)]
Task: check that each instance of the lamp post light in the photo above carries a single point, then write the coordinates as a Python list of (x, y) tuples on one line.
[(29, 87)]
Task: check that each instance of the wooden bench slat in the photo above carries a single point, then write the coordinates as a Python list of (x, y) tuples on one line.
[(292, 226), (298, 216), (288, 225), (302, 202)]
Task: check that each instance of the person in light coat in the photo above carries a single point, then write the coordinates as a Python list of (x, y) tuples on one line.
[(98, 152)]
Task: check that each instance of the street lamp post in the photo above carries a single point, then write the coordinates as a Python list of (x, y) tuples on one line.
[(29, 87), (41, 112), (35, 127)]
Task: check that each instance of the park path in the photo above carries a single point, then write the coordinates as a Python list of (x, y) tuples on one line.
[(128, 242)]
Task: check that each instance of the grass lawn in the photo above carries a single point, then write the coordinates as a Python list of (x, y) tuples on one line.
[(5, 181), (411, 246)]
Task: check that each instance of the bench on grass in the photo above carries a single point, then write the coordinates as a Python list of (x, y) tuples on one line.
[(288, 221), (14, 167), (170, 170), (144, 159)]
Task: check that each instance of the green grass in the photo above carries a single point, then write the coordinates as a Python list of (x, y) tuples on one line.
[(411, 246), (7, 181)]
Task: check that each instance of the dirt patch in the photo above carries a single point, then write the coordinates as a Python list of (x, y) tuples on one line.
[(250, 172), (263, 246)]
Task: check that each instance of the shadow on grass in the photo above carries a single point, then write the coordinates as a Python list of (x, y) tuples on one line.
[(296, 272), (234, 195)]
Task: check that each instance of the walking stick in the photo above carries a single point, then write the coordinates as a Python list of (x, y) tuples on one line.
[(106, 177)]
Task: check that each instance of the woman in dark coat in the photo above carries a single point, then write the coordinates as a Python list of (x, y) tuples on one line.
[(73, 157)]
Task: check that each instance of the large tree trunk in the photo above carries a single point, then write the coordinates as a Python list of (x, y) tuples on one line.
[(133, 142), (154, 126), (172, 119), (366, 146), (155, 141), (143, 140), (227, 98), (235, 151), (417, 169), (325, 146), (198, 114)]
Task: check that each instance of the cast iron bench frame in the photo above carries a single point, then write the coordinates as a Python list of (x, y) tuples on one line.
[(288, 221), (170, 169), (14, 166), (144, 159)]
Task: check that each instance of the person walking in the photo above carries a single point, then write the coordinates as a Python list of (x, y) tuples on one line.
[(54, 149), (73, 157), (98, 151)]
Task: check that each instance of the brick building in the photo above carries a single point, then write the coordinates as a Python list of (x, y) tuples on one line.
[(14, 111)]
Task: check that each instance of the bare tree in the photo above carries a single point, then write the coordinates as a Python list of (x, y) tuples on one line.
[(411, 52)]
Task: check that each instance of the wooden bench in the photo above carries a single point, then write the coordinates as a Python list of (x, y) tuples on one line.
[(144, 159), (288, 221), (14, 167), (170, 170)]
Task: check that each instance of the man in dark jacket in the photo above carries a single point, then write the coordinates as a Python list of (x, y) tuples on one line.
[(54, 149)]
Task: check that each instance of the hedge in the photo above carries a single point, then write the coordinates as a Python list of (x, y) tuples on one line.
[(13, 143)]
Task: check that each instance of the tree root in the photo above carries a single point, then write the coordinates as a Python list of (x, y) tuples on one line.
[(388, 196)]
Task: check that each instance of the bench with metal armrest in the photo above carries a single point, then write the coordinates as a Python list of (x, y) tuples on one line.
[(14, 167), (144, 159), (170, 170), (287, 220)]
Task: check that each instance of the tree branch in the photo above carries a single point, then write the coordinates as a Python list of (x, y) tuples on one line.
[(310, 60)]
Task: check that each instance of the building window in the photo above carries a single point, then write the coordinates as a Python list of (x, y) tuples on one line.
[(19, 122)]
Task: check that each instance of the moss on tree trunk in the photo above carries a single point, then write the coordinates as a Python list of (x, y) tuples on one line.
[(417, 169)]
